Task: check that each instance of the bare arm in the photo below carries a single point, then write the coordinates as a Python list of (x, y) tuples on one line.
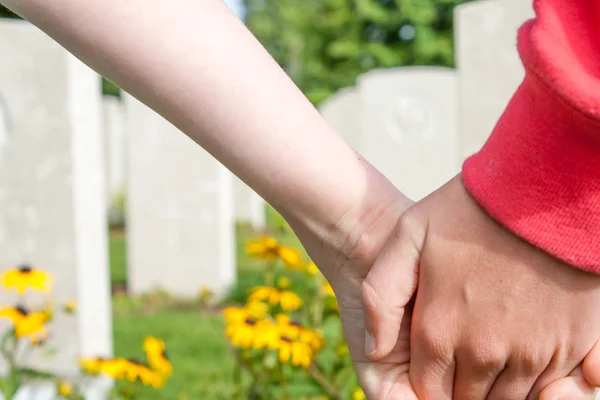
[(197, 65)]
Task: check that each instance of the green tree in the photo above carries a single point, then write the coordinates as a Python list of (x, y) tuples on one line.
[(325, 45)]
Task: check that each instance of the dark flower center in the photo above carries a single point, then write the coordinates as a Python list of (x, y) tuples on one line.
[(296, 324), (250, 321), (22, 310), (25, 268), (286, 339)]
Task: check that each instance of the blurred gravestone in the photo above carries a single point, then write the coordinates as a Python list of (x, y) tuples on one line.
[(52, 198), (488, 64), (115, 141), (180, 210), (249, 206), (409, 126), (342, 112)]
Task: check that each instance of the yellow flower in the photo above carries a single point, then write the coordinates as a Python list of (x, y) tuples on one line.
[(26, 323), (265, 293), (70, 307), (25, 277), (263, 247), (242, 334), (256, 309), (284, 282), (235, 315), (299, 353), (64, 389), (91, 365), (295, 331), (312, 269), (292, 258), (115, 368), (267, 335), (328, 290), (358, 394), (156, 355), (289, 301), (137, 370)]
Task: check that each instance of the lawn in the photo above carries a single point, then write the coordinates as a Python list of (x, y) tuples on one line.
[(194, 335)]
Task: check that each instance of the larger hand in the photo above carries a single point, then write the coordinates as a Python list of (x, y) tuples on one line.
[(494, 317)]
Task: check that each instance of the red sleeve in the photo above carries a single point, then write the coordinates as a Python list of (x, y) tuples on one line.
[(539, 172)]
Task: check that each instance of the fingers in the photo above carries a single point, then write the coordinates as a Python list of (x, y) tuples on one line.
[(520, 375), (573, 387), (432, 363), (389, 287), (476, 372), (591, 366)]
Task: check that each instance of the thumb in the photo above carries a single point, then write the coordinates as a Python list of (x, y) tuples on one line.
[(390, 285), (573, 387), (591, 366)]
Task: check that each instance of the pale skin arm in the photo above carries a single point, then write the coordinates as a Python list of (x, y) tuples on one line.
[(197, 65)]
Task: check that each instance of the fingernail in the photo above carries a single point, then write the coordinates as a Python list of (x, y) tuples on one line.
[(370, 347)]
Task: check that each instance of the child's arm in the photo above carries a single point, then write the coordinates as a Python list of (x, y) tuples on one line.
[(195, 63)]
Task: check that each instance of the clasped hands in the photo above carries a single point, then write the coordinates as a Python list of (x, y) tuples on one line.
[(439, 302)]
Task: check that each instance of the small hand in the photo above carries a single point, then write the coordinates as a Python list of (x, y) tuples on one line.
[(494, 318)]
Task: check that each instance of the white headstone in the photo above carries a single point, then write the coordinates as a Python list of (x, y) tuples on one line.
[(409, 126), (52, 192), (249, 206), (115, 142), (180, 210), (488, 64), (342, 112)]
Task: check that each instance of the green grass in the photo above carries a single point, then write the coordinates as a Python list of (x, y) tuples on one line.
[(194, 337), (195, 346)]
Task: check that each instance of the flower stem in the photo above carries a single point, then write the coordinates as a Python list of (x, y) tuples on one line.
[(318, 376)]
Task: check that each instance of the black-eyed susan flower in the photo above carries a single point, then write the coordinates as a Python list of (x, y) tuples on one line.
[(266, 248), (292, 258), (139, 371), (242, 334), (157, 357), (287, 300), (64, 389), (26, 323), (91, 365), (358, 394), (115, 367), (284, 282), (267, 336), (294, 351), (256, 309), (264, 293), (296, 331), (25, 277)]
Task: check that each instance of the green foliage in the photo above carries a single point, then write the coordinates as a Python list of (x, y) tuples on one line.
[(325, 45)]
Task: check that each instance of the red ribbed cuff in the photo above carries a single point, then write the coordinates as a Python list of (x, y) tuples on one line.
[(539, 175)]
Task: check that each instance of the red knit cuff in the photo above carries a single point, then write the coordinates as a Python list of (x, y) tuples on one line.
[(539, 174)]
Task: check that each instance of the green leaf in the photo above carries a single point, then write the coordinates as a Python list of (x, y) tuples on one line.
[(373, 11)]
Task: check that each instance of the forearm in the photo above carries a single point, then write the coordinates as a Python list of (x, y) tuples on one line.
[(197, 65)]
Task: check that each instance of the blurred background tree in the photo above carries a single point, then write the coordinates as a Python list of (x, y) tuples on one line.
[(325, 45)]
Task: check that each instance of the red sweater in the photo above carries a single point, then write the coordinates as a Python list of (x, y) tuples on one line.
[(539, 172)]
